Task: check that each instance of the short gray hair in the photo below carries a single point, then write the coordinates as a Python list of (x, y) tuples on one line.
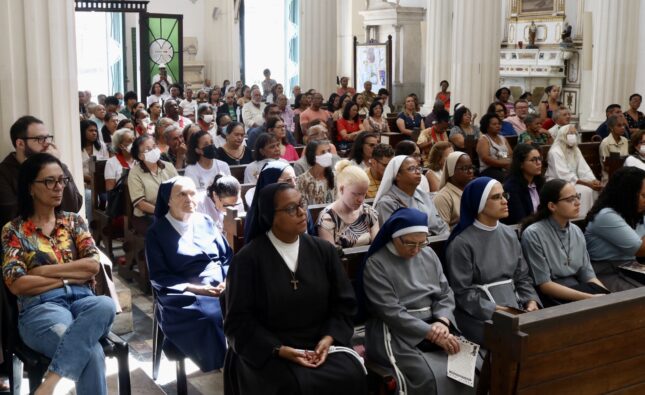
[(530, 118), (118, 136), (169, 129)]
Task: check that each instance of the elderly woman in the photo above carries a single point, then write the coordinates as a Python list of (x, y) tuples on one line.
[(223, 193), (290, 306), (485, 265), (523, 184), (399, 188), (464, 127), (122, 146), (201, 160), (457, 173), (317, 184), (412, 307), (234, 152), (565, 162), (349, 221), (615, 231), (188, 259), (144, 180), (555, 248), (49, 263)]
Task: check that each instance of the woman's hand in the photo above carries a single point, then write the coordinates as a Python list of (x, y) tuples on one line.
[(206, 290), (438, 332), (532, 306), (450, 344), (322, 349), (302, 358)]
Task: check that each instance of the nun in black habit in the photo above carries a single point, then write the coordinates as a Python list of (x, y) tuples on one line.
[(289, 308)]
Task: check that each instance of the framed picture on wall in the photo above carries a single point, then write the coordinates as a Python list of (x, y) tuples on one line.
[(540, 7), (373, 62)]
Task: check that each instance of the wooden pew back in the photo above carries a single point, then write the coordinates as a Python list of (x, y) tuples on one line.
[(237, 171), (587, 347), (590, 151)]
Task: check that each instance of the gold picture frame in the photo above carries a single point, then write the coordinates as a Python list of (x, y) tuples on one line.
[(537, 8)]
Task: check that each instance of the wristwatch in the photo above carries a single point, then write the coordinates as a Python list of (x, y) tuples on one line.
[(276, 351)]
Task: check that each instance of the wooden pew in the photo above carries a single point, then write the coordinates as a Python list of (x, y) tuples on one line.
[(586, 136), (297, 130), (391, 123), (237, 171), (100, 219), (592, 346), (392, 138), (512, 140), (299, 149), (135, 266), (234, 229), (613, 163)]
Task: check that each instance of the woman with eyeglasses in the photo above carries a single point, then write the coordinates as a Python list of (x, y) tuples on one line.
[(144, 180), (276, 126), (49, 263), (289, 307), (523, 184), (458, 171), (399, 188), (615, 232), (411, 324), (362, 149), (555, 248), (349, 221), (485, 266), (188, 259)]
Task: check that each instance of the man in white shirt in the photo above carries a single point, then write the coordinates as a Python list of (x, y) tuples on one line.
[(163, 78), (188, 105), (561, 117), (252, 112)]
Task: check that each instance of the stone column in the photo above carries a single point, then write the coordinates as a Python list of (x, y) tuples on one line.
[(222, 42), (438, 55), (475, 53), (38, 74), (345, 61), (615, 38), (318, 39)]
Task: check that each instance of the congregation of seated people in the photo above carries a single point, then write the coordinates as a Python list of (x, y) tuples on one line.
[(531, 215)]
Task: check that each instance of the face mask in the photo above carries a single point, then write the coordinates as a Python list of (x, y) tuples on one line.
[(324, 160), (128, 148), (208, 118), (642, 150), (152, 156), (210, 151), (572, 140)]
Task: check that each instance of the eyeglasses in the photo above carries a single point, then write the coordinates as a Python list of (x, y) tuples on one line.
[(288, 180), (536, 159), (292, 209), (380, 163), (571, 199), (414, 169), (41, 139), (499, 196), (50, 182), (412, 245), (465, 169)]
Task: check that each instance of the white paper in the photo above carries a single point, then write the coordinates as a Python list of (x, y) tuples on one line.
[(461, 366)]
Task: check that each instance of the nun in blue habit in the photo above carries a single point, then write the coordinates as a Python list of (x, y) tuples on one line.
[(410, 306), (485, 265), (188, 260)]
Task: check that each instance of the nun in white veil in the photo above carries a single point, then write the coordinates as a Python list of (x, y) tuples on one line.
[(400, 188)]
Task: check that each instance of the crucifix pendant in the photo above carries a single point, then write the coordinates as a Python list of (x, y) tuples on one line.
[(295, 284), (568, 261)]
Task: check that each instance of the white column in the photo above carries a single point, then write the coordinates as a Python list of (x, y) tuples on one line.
[(222, 42), (318, 45), (38, 73), (615, 35), (438, 49), (345, 61), (640, 77), (475, 53)]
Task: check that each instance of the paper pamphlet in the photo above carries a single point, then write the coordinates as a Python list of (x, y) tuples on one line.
[(461, 366)]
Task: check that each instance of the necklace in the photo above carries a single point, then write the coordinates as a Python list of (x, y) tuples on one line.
[(566, 251), (232, 154), (294, 282)]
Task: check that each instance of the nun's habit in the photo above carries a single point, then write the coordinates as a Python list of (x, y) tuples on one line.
[(485, 265), (404, 297), (182, 253), (265, 311), (389, 198)]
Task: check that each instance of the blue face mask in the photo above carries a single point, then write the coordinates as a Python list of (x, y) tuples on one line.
[(121, 103)]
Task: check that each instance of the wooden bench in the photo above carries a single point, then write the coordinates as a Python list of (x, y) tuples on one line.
[(392, 138), (237, 171), (135, 266), (595, 346), (297, 130), (100, 219), (613, 163)]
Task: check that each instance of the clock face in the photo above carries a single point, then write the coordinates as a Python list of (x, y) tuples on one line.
[(161, 51)]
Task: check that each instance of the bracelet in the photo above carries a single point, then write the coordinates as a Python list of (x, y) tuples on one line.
[(65, 282)]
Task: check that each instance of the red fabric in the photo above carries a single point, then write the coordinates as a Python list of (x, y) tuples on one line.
[(343, 124)]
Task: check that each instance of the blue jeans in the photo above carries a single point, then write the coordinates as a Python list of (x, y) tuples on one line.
[(65, 324)]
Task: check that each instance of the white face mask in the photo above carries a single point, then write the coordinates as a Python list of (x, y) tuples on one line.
[(572, 140), (128, 148), (324, 160), (642, 150), (208, 118), (152, 156)]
